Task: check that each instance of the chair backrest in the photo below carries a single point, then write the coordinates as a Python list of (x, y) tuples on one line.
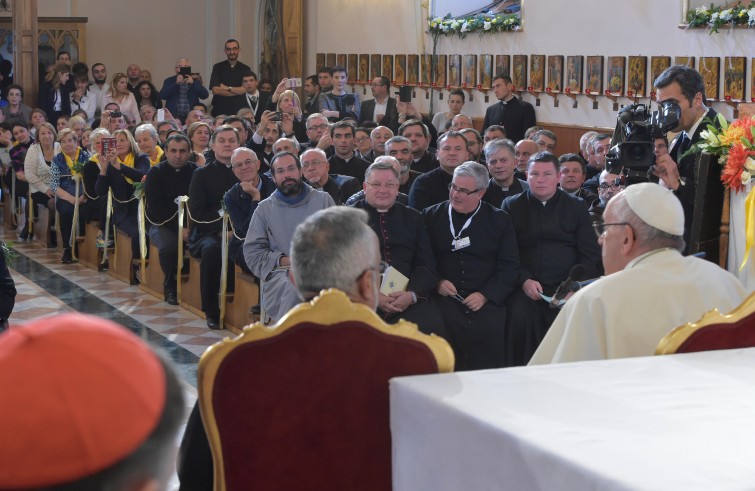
[(304, 404), (714, 331)]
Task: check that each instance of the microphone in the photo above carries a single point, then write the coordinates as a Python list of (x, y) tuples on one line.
[(570, 284)]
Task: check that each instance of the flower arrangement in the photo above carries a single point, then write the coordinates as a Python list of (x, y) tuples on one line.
[(481, 23), (714, 17), (734, 144)]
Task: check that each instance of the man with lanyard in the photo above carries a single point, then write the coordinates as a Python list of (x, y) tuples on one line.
[(477, 262)]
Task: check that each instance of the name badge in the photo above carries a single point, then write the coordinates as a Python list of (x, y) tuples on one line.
[(460, 243)]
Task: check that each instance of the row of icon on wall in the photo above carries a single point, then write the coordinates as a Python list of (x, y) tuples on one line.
[(612, 75)]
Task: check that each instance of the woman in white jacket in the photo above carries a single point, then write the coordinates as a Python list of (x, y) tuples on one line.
[(37, 171)]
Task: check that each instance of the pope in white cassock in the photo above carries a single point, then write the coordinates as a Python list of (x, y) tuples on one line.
[(649, 287)]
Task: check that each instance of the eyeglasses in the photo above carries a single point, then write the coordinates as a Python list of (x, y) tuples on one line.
[(382, 185), (600, 227), (361, 139), (313, 163), (615, 186), (319, 127), (381, 269), (377, 85), (452, 187)]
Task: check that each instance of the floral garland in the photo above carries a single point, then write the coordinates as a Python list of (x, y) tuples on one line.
[(481, 23), (714, 17), (734, 144)]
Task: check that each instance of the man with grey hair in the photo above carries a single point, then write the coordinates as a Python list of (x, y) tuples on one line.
[(182, 91), (649, 287), (267, 247), (315, 169), (501, 162), (335, 248), (478, 262), (400, 148), (404, 245), (461, 121), (289, 145), (378, 137)]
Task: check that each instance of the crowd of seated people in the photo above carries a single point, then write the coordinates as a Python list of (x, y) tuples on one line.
[(548, 195)]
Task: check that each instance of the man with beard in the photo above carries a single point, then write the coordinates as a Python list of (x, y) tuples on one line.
[(432, 187), (226, 81), (476, 250), (242, 199), (417, 133), (382, 109), (267, 248), (400, 148), (610, 185), (312, 92), (166, 181), (501, 162), (316, 168), (208, 186), (99, 87), (405, 246)]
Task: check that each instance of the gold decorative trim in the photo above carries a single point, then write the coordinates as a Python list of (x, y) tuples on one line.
[(330, 307), (674, 339)]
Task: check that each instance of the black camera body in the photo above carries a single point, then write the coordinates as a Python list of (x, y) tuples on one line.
[(637, 128)]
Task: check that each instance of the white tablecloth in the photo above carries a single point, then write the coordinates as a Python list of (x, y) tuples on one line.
[(679, 422)]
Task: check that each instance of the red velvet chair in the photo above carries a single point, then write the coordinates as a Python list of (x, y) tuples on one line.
[(304, 404), (714, 331)]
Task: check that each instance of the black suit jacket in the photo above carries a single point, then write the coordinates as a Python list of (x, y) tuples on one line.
[(390, 119), (686, 163), (516, 116), (263, 103)]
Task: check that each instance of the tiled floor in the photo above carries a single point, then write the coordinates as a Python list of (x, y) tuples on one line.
[(46, 287)]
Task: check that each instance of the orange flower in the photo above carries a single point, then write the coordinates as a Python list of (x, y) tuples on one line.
[(731, 175)]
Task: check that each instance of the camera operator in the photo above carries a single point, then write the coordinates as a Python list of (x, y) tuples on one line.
[(685, 87)]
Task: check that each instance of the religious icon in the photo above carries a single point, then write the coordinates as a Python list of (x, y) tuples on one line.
[(426, 65), (519, 72), (709, 69), (341, 60), (555, 72), (399, 70), (440, 69), (485, 79), (537, 72), (616, 66), (454, 70), (375, 66), (685, 60), (574, 73), (412, 69), (352, 68), (330, 60), (319, 61), (470, 70), (364, 68), (388, 66), (502, 65), (594, 75), (636, 80), (657, 65), (734, 78)]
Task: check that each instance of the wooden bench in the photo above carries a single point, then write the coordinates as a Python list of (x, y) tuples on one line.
[(152, 277), (41, 225), (191, 297), (89, 254), (246, 295), (120, 260), (9, 212)]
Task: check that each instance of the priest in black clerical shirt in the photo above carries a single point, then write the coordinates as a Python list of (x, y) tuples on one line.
[(432, 187), (344, 161), (514, 114), (478, 263), (404, 245), (501, 161)]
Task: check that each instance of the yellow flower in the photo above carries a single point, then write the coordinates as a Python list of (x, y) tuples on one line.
[(732, 135)]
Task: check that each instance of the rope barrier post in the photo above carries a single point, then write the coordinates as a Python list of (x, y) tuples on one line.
[(75, 221), (142, 237), (181, 201), (13, 203), (106, 231), (223, 266)]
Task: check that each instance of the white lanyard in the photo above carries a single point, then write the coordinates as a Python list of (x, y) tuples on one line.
[(466, 224)]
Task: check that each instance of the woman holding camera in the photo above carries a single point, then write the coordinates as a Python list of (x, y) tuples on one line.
[(65, 166), (124, 166)]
